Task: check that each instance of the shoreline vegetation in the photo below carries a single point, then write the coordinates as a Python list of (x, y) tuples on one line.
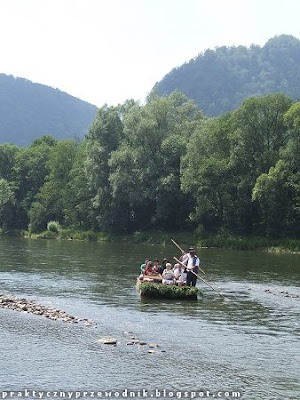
[(222, 240), (164, 167)]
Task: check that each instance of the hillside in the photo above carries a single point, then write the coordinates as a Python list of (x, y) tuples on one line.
[(29, 110), (218, 80)]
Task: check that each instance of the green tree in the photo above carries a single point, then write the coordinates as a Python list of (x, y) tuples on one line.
[(53, 197), (207, 175), (79, 211), (258, 134), (291, 155), (145, 169), (272, 194), (30, 172), (8, 153), (225, 157), (7, 202), (103, 138)]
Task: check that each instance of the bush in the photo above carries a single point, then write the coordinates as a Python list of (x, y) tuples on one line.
[(53, 226)]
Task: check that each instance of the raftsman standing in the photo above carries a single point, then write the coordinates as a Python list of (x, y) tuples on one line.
[(192, 262)]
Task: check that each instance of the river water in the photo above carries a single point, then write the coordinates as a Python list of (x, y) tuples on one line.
[(247, 345)]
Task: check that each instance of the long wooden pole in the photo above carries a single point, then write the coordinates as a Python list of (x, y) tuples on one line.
[(183, 252), (178, 247), (198, 276)]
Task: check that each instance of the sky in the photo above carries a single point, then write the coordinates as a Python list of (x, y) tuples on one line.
[(108, 51)]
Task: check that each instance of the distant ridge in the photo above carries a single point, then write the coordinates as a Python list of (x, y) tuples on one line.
[(219, 80), (29, 110)]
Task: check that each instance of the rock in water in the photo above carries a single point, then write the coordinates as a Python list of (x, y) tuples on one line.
[(108, 340)]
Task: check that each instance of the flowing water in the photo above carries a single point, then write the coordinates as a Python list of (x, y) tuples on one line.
[(247, 345)]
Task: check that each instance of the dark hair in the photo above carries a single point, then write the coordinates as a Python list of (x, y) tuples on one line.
[(150, 264)]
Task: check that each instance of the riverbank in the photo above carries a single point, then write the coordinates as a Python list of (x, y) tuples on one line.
[(185, 239)]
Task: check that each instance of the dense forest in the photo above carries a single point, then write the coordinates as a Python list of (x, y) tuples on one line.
[(29, 110), (163, 165), (219, 80)]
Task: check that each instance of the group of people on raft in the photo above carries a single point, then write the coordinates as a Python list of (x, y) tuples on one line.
[(183, 273)]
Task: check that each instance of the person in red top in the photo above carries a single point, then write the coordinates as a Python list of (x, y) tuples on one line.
[(149, 270)]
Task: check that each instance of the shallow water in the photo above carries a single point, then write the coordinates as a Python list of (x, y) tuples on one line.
[(248, 343)]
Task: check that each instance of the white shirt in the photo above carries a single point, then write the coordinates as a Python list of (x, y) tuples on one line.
[(168, 274), (182, 277), (188, 260), (177, 272)]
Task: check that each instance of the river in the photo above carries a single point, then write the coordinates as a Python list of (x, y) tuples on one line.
[(246, 345)]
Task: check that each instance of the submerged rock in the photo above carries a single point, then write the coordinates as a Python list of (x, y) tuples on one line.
[(277, 292)]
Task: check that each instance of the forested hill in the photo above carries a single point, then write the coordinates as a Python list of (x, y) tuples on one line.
[(29, 110), (218, 80)]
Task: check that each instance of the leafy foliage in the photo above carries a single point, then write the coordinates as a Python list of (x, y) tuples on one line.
[(7, 200), (54, 195), (158, 290), (29, 174), (53, 226), (163, 166)]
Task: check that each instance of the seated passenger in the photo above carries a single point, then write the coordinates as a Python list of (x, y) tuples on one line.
[(156, 266), (168, 277), (144, 265), (163, 266), (177, 270), (149, 271), (181, 280), (142, 269)]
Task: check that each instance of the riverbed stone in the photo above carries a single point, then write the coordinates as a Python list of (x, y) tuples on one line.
[(153, 345), (108, 340)]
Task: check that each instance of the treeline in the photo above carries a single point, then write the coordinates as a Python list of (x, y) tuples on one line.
[(219, 80), (164, 166)]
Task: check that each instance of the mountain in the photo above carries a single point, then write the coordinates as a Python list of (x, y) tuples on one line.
[(29, 110), (219, 80)]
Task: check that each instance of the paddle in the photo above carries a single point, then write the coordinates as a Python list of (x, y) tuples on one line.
[(183, 252), (198, 276)]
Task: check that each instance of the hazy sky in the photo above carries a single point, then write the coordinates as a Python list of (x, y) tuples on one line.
[(107, 51)]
